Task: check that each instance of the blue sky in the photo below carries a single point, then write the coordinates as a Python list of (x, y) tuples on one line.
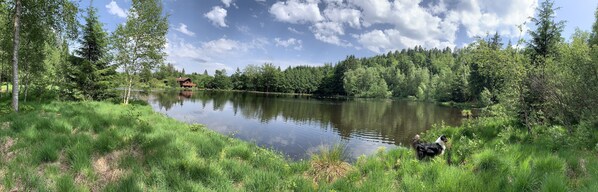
[(226, 34)]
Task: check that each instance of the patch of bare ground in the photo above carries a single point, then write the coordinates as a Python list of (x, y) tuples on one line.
[(327, 171), (2, 173), (7, 153), (107, 169)]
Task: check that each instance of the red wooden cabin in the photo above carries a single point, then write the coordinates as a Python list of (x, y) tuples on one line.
[(185, 82)]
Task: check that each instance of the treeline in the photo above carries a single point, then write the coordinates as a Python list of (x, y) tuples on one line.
[(473, 73)]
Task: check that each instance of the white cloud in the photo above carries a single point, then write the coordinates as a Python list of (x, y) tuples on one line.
[(243, 28), (344, 15), (379, 41), (114, 9), (297, 11), (295, 31), (221, 46), (329, 32), (227, 2), (482, 17), (210, 55), (183, 29), (217, 16), (406, 23), (296, 44)]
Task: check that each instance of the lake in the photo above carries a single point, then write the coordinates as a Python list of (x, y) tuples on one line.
[(298, 126)]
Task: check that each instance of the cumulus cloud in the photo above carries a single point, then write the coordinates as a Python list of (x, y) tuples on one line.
[(344, 15), (297, 11), (381, 41), (329, 32), (482, 17), (397, 24), (183, 29), (227, 2), (221, 46), (114, 9), (291, 42), (203, 56), (177, 48), (217, 16)]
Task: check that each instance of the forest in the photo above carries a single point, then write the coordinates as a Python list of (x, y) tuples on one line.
[(69, 122)]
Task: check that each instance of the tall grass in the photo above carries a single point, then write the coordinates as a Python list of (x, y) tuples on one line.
[(97, 146)]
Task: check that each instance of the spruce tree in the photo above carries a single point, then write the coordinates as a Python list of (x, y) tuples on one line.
[(94, 71), (542, 49)]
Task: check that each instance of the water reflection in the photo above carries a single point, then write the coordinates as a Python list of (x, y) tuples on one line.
[(297, 125)]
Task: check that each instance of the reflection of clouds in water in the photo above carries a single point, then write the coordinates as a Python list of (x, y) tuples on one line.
[(279, 140), (300, 127)]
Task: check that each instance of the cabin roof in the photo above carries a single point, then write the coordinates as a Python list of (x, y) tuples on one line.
[(180, 79)]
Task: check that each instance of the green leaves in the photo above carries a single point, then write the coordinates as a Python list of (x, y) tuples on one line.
[(140, 42)]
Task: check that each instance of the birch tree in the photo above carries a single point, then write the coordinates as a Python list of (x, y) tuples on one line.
[(140, 42), (34, 23)]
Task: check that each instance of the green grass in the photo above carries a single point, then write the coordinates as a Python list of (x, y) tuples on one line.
[(98, 146), (3, 87)]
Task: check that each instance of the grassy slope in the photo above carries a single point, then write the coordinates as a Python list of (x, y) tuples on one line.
[(100, 146)]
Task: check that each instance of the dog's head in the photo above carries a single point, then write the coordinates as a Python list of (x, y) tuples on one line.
[(443, 138)]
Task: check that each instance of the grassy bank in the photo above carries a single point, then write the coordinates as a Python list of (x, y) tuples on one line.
[(85, 146), (100, 146)]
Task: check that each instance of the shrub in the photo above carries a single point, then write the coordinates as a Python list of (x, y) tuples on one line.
[(489, 161), (328, 165)]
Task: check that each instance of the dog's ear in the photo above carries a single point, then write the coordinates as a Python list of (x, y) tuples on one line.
[(443, 138)]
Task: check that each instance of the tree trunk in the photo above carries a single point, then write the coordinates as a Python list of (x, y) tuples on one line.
[(2, 71), (15, 57), (26, 83), (129, 91)]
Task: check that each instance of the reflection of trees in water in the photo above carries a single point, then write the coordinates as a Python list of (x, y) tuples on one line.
[(167, 99), (393, 121)]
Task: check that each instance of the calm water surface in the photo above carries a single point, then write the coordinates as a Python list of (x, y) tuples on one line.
[(299, 126)]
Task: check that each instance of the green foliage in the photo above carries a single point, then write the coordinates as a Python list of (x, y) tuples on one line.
[(92, 74), (547, 35), (485, 98), (220, 81), (365, 83), (140, 42)]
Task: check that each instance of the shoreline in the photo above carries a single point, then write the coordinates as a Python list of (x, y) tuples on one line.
[(135, 143)]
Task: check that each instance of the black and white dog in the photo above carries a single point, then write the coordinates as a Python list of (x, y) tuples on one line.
[(424, 150)]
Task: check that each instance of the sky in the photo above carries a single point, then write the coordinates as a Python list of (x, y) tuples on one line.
[(231, 34)]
